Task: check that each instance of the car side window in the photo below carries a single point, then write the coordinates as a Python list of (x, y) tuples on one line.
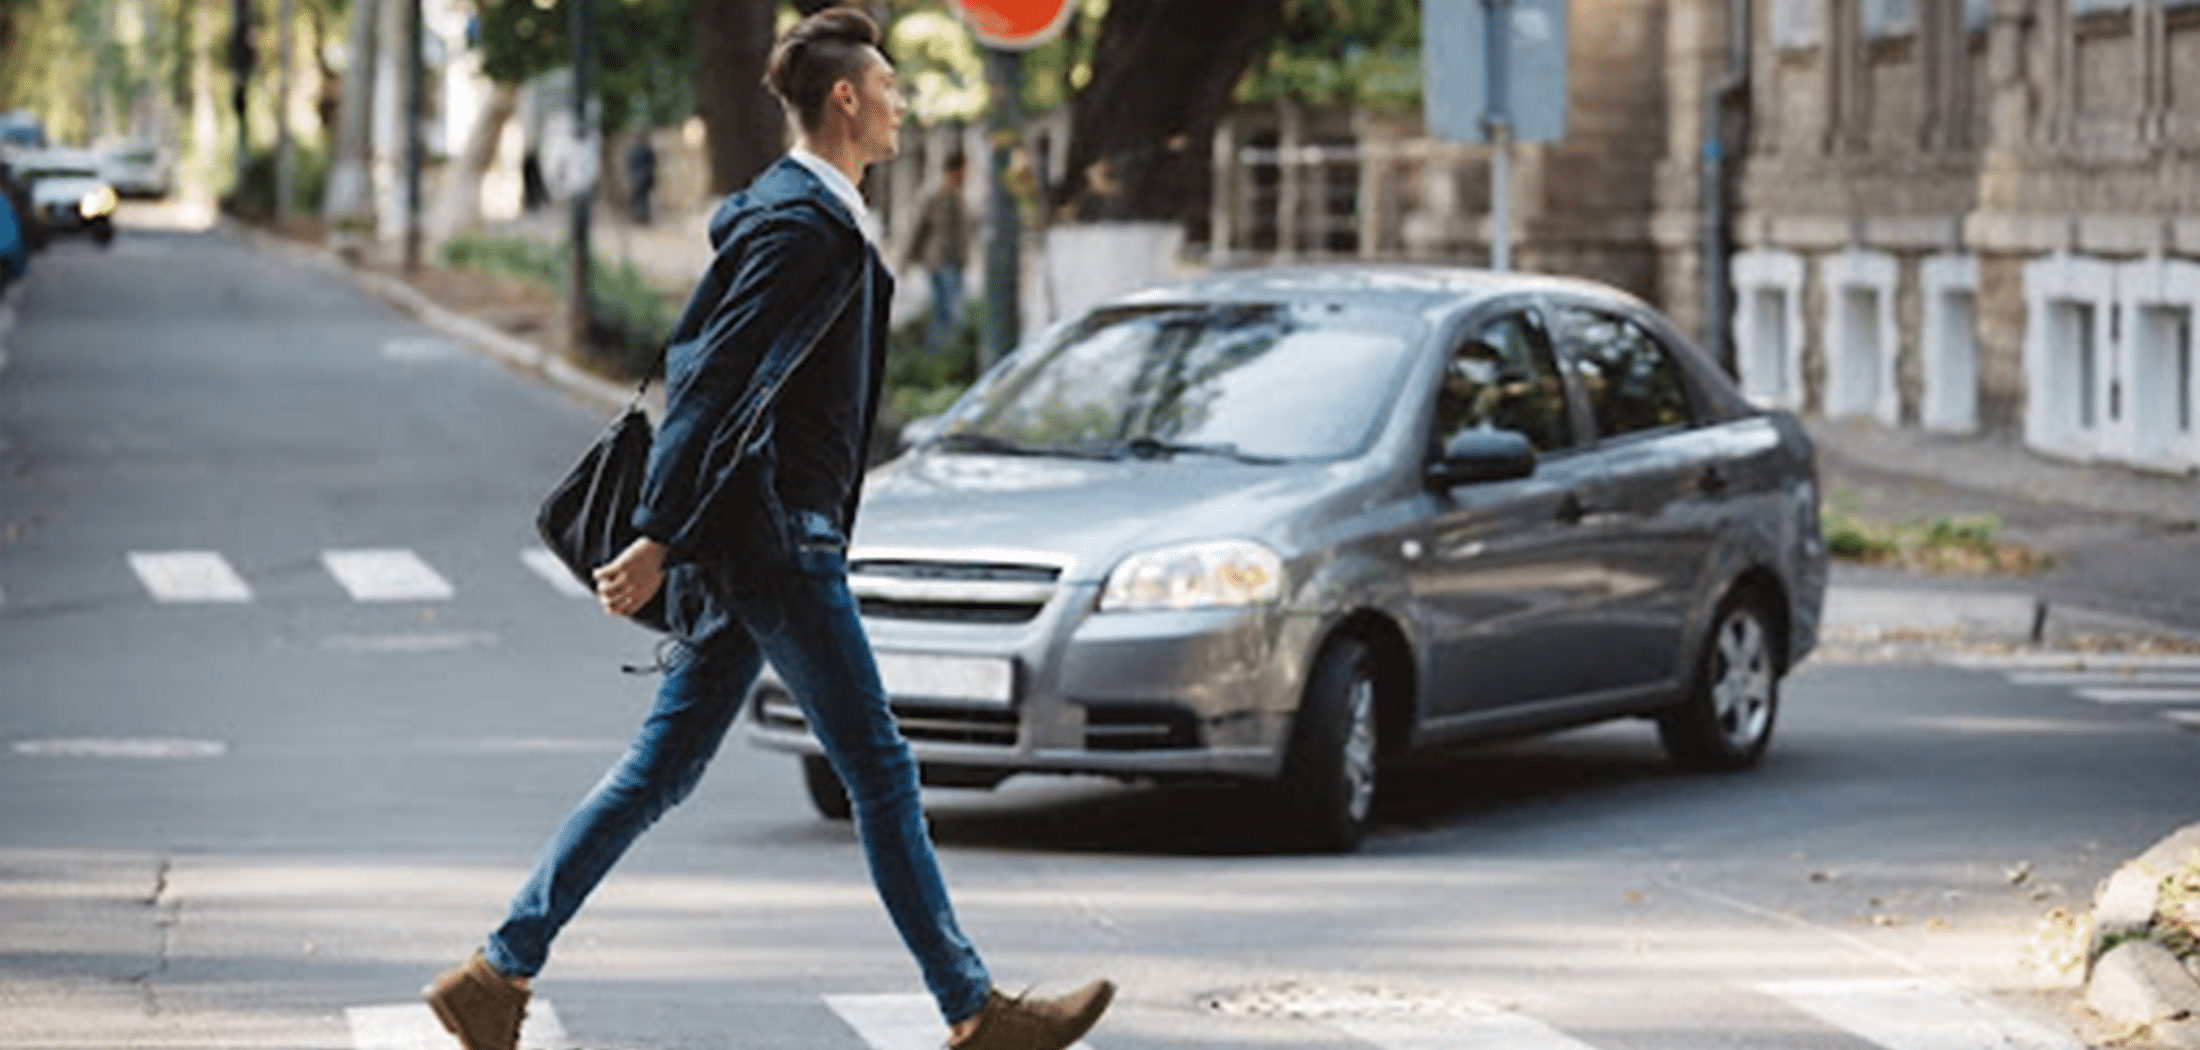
[(1631, 381), (1504, 377)]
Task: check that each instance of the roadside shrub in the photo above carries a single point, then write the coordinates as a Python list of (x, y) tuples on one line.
[(629, 317)]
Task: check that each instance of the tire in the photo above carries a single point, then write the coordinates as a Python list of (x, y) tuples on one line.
[(1725, 721), (826, 795), (1328, 783), (103, 235)]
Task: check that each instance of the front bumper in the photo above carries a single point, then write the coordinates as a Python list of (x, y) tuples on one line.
[(1179, 694)]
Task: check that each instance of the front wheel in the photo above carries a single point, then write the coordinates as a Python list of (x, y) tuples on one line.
[(826, 795), (1328, 784), (1725, 720)]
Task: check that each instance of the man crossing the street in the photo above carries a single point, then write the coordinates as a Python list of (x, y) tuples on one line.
[(773, 379)]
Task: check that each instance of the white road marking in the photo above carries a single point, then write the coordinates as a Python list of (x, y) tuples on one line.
[(1491, 1030), (2068, 679), (897, 1022), (424, 348), (386, 576), (1917, 1014), (547, 566), (423, 642), (2184, 719), (2075, 662), (189, 576), (414, 1027), (2141, 696), (120, 747)]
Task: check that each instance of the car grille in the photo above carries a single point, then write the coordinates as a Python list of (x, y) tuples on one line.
[(905, 588), (943, 723)]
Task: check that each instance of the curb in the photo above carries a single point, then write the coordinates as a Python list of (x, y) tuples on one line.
[(513, 351), (2138, 983)]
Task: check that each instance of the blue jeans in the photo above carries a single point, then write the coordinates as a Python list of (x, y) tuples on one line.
[(804, 621), (947, 299)]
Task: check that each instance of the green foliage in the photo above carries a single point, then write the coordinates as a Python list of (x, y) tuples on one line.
[(632, 318), (921, 383), (1941, 543), (1347, 52), (645, 54), (1055, 71), (309, 163)]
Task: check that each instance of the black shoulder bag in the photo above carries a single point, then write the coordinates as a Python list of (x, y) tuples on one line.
[(589, 518)]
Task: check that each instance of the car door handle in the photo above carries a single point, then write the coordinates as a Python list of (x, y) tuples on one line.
[(1571, 510), (1712, 481)]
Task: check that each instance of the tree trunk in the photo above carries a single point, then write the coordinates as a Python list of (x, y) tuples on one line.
[(1162, 72), (460, 206), (347, 179), (746, 128)]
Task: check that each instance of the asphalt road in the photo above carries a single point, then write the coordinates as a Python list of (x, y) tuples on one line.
[(284, 713)]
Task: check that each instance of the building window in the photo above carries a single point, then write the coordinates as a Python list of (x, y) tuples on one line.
[(1860, 339), (1950, 286), (1795, 24), (2070, 372), (2158, 299), (1768, 327)]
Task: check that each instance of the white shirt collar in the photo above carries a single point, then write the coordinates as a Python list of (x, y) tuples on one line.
[(838, 183)]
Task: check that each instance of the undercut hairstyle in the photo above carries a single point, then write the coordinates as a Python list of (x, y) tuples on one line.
[(830, 46)]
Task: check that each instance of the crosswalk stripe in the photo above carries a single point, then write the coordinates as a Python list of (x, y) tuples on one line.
[(2184, 719), (189, 576), (547, 566), (2141, 696), (413, 1026), (1916, 1014), (1491, 1030), (386, 576), (897, 1022)]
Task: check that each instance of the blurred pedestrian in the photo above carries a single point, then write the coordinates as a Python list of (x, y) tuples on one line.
[(748, 537), (641, 177), (941, 245)]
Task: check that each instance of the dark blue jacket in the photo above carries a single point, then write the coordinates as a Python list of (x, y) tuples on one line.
[(792, 273)]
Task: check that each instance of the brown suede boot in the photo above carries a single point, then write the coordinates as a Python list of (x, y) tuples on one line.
[(480, 1006), (1024, 1023)]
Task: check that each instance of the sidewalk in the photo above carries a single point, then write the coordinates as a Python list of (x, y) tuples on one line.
[(2126, 543)]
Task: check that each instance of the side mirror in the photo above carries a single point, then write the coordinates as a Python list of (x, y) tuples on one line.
[(1482, 455)]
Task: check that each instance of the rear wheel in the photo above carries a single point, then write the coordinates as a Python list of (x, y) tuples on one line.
[(823, 785), (1725, 721), (1328, 784)]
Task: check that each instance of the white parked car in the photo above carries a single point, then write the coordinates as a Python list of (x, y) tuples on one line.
[(137, 170), (67, 194)]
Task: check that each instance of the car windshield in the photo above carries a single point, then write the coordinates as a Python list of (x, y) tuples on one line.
[(1259, 382)]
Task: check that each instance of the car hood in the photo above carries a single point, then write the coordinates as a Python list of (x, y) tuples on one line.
[(63, 189), (1091, 512)]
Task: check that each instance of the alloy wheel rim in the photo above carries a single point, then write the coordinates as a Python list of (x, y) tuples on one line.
[(1359, 749), (1741, 693)]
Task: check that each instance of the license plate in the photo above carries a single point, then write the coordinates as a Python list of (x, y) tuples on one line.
[(960, 679)]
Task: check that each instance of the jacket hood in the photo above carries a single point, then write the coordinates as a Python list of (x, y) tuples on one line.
[(785, 182), (1092, 512)]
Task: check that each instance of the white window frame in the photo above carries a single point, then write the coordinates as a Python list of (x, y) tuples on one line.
[(1879, 274), (1781, 273), (2142, 286), (2051, 282), (1950, 405)]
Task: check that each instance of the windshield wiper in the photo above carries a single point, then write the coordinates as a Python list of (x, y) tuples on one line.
[(1156, 448), (971, 441)]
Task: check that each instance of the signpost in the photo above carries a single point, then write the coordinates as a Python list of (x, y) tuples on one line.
[(1495, 72), (1007, 28)]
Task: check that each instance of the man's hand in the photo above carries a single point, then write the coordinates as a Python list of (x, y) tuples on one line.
[(630, 580)]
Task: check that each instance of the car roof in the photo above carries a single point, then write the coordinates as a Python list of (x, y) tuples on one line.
[(1405, 288)]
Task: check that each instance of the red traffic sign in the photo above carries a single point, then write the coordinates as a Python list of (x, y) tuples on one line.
[(1013, 25)]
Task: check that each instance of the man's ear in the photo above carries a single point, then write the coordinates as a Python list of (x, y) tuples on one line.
[(844, 96)]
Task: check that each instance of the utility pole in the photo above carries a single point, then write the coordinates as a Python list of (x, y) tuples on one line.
[(414, 75), (584, 189), (240, 63), (1003, 263), (282, 113), (1497, 124)]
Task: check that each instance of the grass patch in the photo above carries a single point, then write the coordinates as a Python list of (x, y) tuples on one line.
[(630, 318), (1961, 545)]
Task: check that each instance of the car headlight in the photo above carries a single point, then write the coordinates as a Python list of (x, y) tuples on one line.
[(97, 203), (1221, 574)]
